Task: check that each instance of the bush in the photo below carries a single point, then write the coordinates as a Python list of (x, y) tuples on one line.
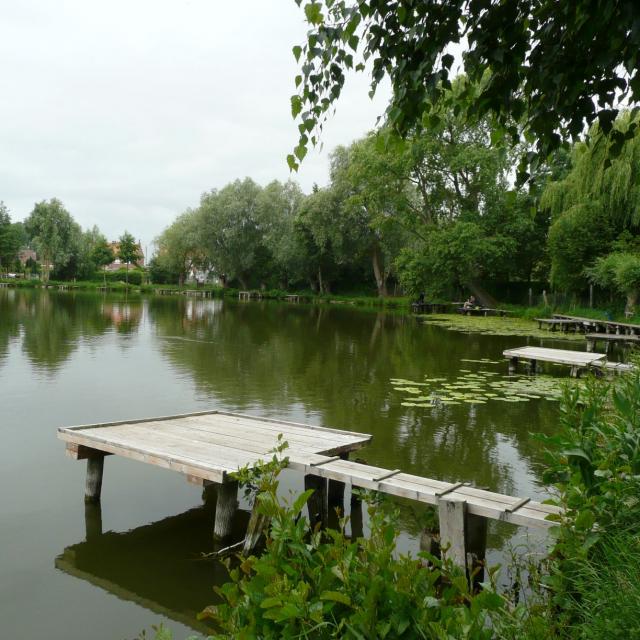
[(135, 276)]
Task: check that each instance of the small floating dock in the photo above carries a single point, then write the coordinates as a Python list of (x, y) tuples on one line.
[(577, 360), (207, 447)]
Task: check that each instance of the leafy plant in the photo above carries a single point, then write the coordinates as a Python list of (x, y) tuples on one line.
[(311, 583)]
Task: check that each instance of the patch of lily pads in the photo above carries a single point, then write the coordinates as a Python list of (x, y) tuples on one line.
[(497, 326), (478, 387)]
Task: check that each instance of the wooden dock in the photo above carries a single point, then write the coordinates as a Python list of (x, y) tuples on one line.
[(577, 360), (208, 447), (610, 338), (595, 325), (249, 295)]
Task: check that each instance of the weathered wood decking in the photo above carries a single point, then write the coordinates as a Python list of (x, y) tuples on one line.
[(577, 360), (208, 447)]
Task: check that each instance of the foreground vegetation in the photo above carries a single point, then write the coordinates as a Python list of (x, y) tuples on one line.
[(313, 584)]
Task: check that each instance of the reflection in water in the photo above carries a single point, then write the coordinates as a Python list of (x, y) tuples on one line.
[(158, 566), (335, 364), (53, 325)]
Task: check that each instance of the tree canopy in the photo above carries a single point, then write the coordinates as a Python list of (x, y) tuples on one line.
[(541, 68)]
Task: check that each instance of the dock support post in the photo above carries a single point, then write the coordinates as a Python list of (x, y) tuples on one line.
[(335, 499), (357, 528), (476, 537), (464, 536), (533, 366), (575, 372), (93, 485), (317, 503), (590, 345), (513, 365), (452, 515), (258, 522), (226, 506)]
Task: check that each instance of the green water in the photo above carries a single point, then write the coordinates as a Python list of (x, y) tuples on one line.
[(79, 358)]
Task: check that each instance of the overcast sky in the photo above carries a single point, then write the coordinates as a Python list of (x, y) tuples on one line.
[(128, 110)]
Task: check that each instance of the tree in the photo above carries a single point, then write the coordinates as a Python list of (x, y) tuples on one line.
[(102, 254), (128, 251), (597, 200), (53, 232), (278, 207), (372, 193), (11, 236), (230, 229), (543, 68), (619, 271), (180, 246)]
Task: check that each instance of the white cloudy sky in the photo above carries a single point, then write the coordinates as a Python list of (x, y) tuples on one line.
[(128, 110)]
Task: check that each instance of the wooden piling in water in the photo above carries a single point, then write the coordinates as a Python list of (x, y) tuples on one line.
[(226, 506), (93, 484), (317, 503)]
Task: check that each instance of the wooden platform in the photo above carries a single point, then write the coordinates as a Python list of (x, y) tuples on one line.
[(559, 323), (559, 356), (602, 326), (208, 445)]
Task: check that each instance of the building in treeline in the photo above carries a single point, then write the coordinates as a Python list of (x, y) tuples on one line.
[(117, 263)]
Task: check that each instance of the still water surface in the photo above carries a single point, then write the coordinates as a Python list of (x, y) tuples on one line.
[(70, 359)]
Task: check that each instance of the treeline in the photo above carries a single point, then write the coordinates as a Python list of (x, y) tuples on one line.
[(437, 212), (64, 250)]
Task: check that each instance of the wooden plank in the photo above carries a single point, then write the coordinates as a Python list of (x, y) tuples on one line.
[(249, 440), (309, 435), (562, 356)]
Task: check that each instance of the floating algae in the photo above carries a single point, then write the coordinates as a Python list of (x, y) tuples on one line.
[(480, 387), (497, 326)]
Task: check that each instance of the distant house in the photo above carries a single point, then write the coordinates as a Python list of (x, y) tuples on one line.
[(25, 254), (117, 263)]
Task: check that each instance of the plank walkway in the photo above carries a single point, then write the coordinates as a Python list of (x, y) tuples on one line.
[(208, 446), (607, 326)]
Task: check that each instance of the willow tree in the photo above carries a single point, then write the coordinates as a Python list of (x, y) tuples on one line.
[(597, 200), (180, 246)]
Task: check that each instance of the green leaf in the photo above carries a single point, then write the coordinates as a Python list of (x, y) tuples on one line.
[(336, 596), (296, 105), (313, 13), (297, 51)]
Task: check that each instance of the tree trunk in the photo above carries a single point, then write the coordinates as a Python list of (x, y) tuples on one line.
[(127, 274), (320, 283), (181, 280), (378, 270), (632, 299), (243, 282)]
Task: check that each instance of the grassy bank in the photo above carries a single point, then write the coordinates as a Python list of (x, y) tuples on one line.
[(359, 300), (402, 303)]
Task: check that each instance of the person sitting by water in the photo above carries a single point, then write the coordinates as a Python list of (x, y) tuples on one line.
[(470, 303)]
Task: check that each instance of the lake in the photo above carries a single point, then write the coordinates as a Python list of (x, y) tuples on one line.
[(77, 358)]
